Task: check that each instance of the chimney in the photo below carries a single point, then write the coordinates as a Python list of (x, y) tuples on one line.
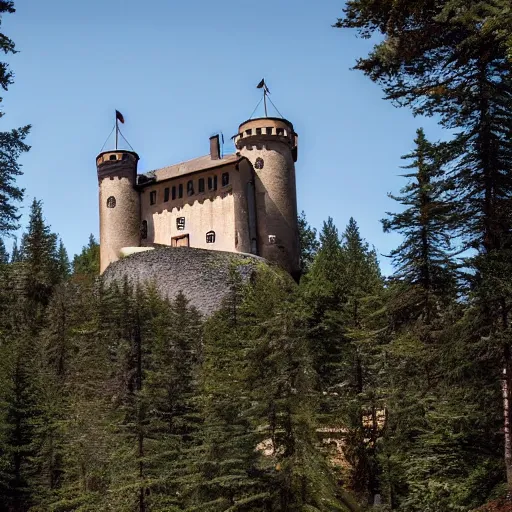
[(215, 147)]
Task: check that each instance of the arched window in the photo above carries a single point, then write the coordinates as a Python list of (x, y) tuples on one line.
[(210, 237), (259, 163), (144, 229), (152, 197), (111, 202)]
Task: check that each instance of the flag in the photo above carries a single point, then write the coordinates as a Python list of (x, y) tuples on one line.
[(261, 84), (119, 116)]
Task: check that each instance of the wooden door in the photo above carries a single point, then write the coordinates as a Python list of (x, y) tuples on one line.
[(180, 241)]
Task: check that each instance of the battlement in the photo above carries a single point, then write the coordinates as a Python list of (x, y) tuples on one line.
[(117, 164), (257, 131)]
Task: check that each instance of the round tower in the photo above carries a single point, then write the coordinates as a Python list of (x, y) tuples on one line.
[(270, 144), (119, 203)]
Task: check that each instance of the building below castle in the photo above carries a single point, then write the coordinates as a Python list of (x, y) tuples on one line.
[(245, 202)]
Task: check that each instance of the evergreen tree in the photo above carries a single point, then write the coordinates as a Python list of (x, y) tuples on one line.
[(15, 253), (308, 243), (11, 143), (424, 260), (63, 264), (88, 261), (4, 255), (40, 260)]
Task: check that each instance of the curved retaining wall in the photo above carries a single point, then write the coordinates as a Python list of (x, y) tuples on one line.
[(202, 275)]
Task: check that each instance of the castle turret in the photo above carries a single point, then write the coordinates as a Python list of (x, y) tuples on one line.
[(119, 203), (270, 144)]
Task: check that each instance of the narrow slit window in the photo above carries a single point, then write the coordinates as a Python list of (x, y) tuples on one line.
[(111, 202), (200, 185), (210, 237), (166, 194), (190, 188), (225, 179), (152, 197), (173, 193), (144, 229), (180, 190), (180, 223)]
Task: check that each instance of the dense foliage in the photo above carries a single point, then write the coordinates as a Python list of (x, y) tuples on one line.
[(345, 392)]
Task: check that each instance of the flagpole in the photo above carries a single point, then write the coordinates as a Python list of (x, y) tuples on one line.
[(117, 130), (265, 99)]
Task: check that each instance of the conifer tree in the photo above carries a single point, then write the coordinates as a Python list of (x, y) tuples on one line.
[(228, 474), (308, 243), (88, 261), (4, 255), (424, 260), (12, 144)]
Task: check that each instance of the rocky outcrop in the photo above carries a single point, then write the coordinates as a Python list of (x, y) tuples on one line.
[(203, 276)]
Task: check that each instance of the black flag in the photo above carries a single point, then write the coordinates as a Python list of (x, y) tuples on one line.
[(263, 85), (119, 116)]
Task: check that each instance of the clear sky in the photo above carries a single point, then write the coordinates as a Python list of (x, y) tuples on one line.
[(180, 71)]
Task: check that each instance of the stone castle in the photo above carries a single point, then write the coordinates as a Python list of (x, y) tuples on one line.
[(244, 202)]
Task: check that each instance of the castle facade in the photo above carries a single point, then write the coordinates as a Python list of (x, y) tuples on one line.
[(245, 202)]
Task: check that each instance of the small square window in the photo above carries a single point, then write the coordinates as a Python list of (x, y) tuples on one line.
[(152, 197), (113, 157), (180, 223), (210, 237), (166, 194), (269, 131), (180, 190), (258, 131), (173, 193), (190, 188), (225, 179), (280, 131), (212, 182), (200, 185)]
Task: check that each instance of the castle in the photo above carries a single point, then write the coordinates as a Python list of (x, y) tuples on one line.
[(244, 202)]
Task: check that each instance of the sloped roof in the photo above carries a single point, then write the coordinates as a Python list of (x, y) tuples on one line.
[(201, 163)]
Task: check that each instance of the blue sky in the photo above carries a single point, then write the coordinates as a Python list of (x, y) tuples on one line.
[(181, 71)]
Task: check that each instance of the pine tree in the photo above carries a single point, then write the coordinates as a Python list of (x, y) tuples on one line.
[(63, 264), (87, 263), (15, 253), (424, 260), (281, 379), (228, 474), (4, 255), (40, 271), (308, 243), (454, 63), (11, 143)]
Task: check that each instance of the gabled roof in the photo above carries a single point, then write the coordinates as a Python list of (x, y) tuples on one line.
[(201, 163)]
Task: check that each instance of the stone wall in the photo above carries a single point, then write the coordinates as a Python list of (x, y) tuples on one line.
[(202, 275)]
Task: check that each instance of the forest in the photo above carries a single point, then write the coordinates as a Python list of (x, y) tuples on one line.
[(347, 391)]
